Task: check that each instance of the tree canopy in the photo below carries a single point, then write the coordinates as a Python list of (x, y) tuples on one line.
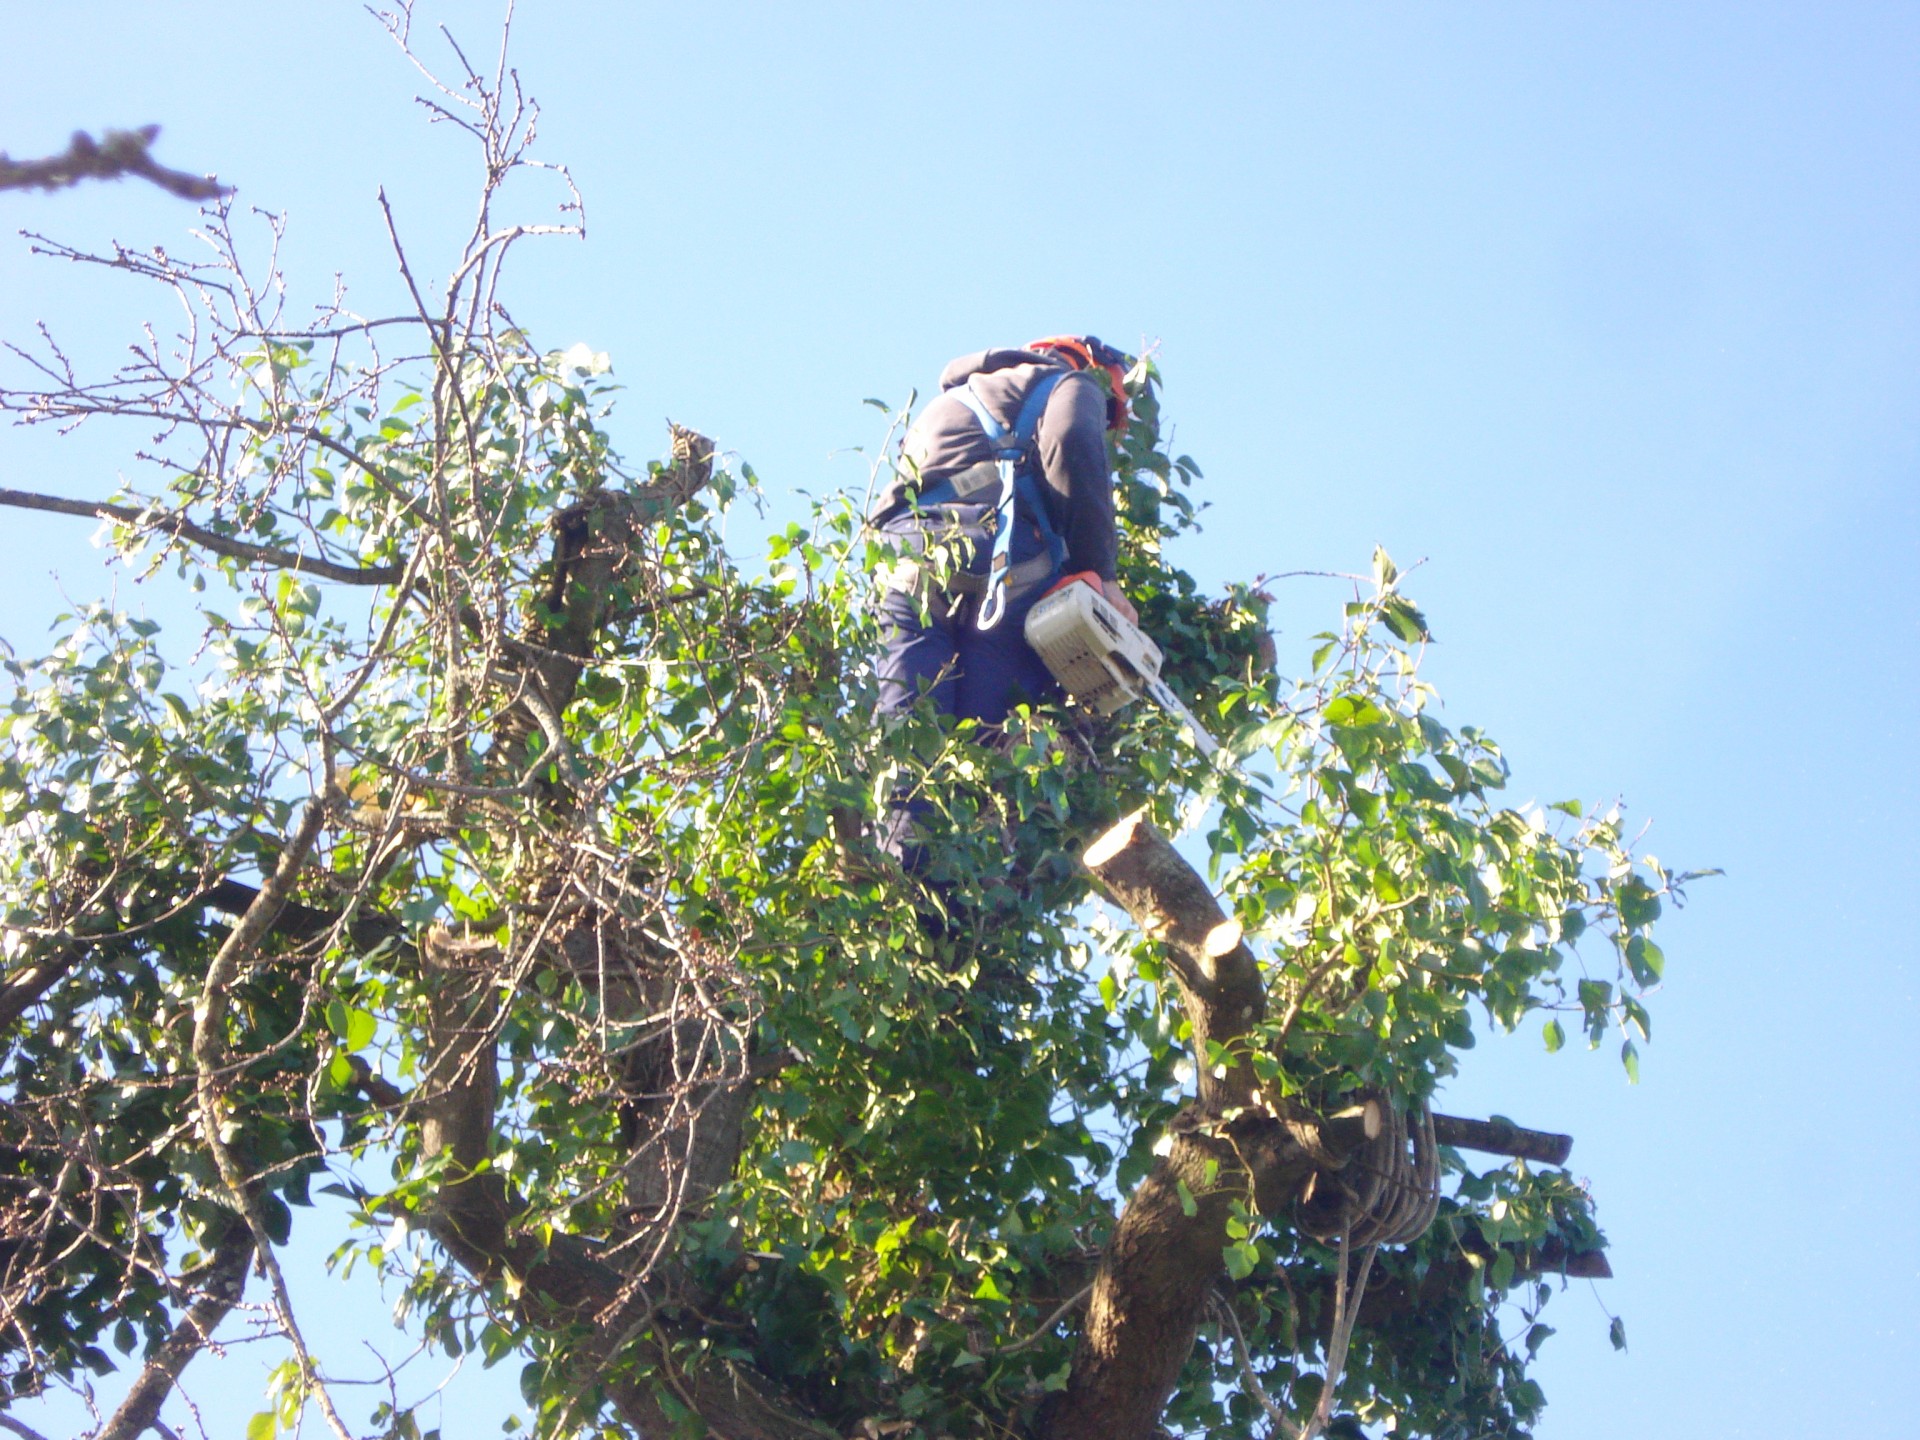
[(497, 856)]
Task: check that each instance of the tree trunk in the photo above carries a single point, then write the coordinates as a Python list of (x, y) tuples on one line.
[(1228, 1144)]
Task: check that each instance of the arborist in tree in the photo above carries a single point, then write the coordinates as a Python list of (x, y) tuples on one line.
[(1003, 486)]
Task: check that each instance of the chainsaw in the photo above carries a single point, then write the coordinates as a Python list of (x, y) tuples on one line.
[(1103, 659)]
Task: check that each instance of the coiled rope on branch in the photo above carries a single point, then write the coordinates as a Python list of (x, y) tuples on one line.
[(1388, 1191)]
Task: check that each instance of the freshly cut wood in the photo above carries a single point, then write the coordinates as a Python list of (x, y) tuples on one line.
[(1219, 978)]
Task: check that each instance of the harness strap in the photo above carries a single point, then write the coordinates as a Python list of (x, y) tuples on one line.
[(1010, 448)]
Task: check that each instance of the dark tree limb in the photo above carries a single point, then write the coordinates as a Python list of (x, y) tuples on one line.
[(1503, 1137), (220, 1285), (181, 528), (303, 922), (118, 154), (24, 988), (1151, 1288), (561, 1281), (1150, 1291), (596, 543), (626, 1320)]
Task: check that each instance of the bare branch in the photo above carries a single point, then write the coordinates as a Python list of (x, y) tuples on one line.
[(119, 154), (180, 528)]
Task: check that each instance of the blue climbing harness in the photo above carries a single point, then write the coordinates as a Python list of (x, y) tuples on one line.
[(1018, 466)]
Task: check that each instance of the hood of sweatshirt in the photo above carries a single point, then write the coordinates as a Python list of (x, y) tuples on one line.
[(985, 362)]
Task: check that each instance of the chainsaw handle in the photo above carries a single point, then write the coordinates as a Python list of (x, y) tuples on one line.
[(1084, 577)]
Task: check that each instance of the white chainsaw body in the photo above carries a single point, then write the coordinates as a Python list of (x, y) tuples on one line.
[(1102, 659)]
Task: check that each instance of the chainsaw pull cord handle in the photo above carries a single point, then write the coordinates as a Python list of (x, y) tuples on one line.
[(1009, 449)]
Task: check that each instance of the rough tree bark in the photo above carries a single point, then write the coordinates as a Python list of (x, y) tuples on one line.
[(220, 1284), (1227, 1144), (689, 1102), (1230, 1143)]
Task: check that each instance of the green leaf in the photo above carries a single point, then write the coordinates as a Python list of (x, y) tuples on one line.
[(1404, 619), (1554, 1035), (1354, 710), (1646, 960), (1639, 906), (263, 1426), (277, 1219), (1240, 1258), (1189, 1207), (1501, 1276), (360, 1030), (1630, 1057)]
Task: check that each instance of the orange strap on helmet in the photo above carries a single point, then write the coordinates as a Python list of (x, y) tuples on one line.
[(1088, 352)]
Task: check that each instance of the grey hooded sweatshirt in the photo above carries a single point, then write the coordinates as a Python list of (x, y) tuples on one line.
[(1071, 437)]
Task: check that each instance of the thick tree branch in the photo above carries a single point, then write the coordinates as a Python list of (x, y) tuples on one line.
[(181, 528), (220, 1285), (1151, 1289), (561, 1280), (120, 153), (1503, 1137), (303, 922), (210, 1062), (24, 988), (596, 541)]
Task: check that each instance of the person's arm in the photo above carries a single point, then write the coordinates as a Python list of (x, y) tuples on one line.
[(1072, 438), (1073, 455)]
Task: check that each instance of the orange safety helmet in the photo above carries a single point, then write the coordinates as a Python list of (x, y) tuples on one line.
[(1089, 352)]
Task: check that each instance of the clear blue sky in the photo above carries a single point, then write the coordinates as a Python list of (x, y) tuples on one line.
[(1608, 311)]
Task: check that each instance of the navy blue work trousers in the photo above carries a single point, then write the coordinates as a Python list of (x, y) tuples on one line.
[(933, 645)]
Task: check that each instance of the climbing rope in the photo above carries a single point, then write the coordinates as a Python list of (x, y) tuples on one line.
[(1391, 1184)]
